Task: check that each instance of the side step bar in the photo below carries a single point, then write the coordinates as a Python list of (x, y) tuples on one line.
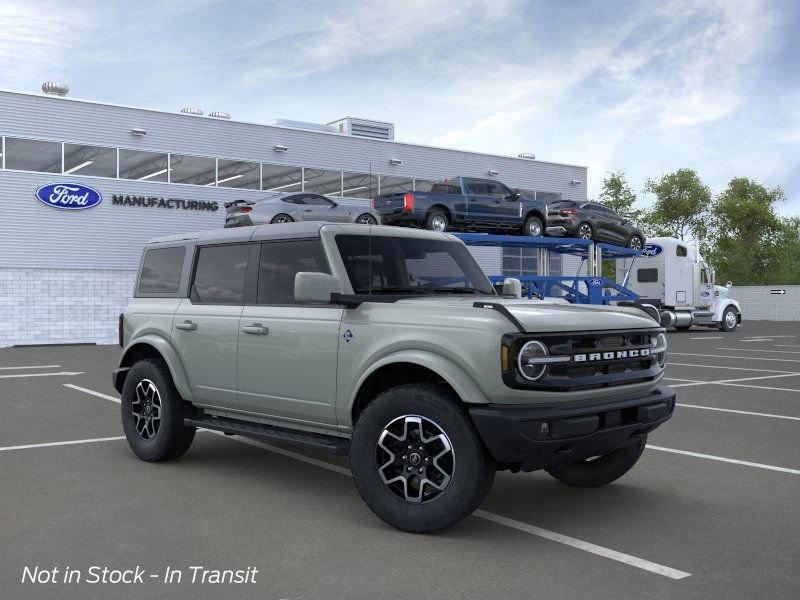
[(270, 433)]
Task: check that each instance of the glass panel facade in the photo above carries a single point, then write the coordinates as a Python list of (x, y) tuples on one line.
[(90, 160), (393, 185), (280, 178), (196, 170), (33, 155), (143, 166), (359, 185), (321, 181), (238, 174)]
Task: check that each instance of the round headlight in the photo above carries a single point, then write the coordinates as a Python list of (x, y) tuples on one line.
[(659, 343), (528, 360)]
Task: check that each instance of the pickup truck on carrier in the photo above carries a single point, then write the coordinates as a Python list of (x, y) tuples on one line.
[(464, 203), (390, 345)]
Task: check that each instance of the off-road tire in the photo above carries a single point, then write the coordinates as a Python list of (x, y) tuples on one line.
[(433, 217), (473, 468), (724, 326), (172, 438), (602, 470), (532, 222), (282, 218)]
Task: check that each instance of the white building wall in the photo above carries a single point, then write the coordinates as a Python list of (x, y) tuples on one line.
[(759, 303)]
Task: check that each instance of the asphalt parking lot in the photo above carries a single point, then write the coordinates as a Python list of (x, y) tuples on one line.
[(710, 511)]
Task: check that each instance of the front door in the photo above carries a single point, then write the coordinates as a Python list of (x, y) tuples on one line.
[(319, 208), (205, 329), (287, 356)]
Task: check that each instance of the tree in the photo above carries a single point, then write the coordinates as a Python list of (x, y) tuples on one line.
[(681, 206), (751, 244), (618, 196)]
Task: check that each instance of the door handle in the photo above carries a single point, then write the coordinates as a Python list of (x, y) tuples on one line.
[(186, 325), (255, 329), (308, 209)]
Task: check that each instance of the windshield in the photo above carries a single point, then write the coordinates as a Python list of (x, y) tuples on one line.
[(401, 265)]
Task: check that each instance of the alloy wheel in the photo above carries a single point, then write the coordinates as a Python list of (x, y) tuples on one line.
[(585, 231), (416, 458), (534, 229), (366, 220), (281, 219), (438, 223), (146, 409), (635, 243), (730, 319)]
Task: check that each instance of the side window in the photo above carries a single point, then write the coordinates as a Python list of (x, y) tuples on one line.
[(477, 187), (497, 189), (299, 199), (703, 276), (281, 261), (219, 275), (680, 251), (315, 200), (161, 271), (647, 275), (446, 187)]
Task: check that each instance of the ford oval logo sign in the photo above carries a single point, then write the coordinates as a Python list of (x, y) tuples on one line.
[(652, 250), (596, 282), (68, 196)]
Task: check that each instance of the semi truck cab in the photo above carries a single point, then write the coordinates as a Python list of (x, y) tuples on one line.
[(673, 276)]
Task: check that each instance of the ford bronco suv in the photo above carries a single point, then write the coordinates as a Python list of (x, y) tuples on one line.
[(388, 345)]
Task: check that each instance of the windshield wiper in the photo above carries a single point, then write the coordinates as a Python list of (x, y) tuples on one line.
[(460, 290)]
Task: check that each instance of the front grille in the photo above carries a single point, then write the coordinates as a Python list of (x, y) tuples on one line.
[(605, 359)]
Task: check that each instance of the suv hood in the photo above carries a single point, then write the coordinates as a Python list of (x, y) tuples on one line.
[(543, 316)]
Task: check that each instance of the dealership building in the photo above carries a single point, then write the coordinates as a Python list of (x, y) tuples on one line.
[(65, 275)]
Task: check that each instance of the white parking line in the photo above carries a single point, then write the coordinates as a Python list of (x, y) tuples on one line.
[(673, 364), (727, 460), (692, 382), (787, 346), (18, 375), (747, 358), (760, 350), (91, 392), (740, 412), (627, 559), (756, 340), (67, 443), (31, 367)]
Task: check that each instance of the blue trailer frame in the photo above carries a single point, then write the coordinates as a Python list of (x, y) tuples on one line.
[(578, 289)]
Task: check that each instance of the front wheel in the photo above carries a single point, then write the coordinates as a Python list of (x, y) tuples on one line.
[(585, 231), (729, 320), (366, 219), (533, 227), (417, 459), (599, 470), (282, 218), (152, 413)]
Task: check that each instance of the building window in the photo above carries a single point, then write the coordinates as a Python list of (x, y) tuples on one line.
[(238, 174), (359, 185), (321, 181), (396, 185), (143, 166), (33, 155), (279, 178), (195, 170), (90, 160), (423, 185)]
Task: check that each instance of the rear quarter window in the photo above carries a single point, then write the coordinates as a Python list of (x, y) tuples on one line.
[(161, 271)]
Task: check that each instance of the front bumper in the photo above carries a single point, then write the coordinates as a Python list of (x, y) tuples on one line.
[(534, 437)]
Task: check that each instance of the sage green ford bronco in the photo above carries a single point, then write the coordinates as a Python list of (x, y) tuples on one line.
[(388, 345)]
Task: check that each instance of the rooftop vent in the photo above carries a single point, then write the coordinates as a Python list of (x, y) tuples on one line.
[(219, 115), (303, 125), (192, 110), (527, 155), (376, 130), (53, 88)]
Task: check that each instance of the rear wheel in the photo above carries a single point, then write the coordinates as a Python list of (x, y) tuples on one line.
[(729, 319), (585, 231), (282, 218), (599, 470), (635, 242), (533, 227), (436, 220), (153, 412), (417, 460), (367, 219)]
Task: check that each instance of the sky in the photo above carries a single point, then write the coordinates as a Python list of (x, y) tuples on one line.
[(639, 87)]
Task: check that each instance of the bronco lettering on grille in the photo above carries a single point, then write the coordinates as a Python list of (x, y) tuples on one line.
[(617, 354)]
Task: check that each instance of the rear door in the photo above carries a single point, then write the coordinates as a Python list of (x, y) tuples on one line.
[(206, 325), (287, 352)]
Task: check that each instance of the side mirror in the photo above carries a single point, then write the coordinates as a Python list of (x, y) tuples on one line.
[(512, 288), (334, 204), (514, 195), (315, 287), (729, 284)]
